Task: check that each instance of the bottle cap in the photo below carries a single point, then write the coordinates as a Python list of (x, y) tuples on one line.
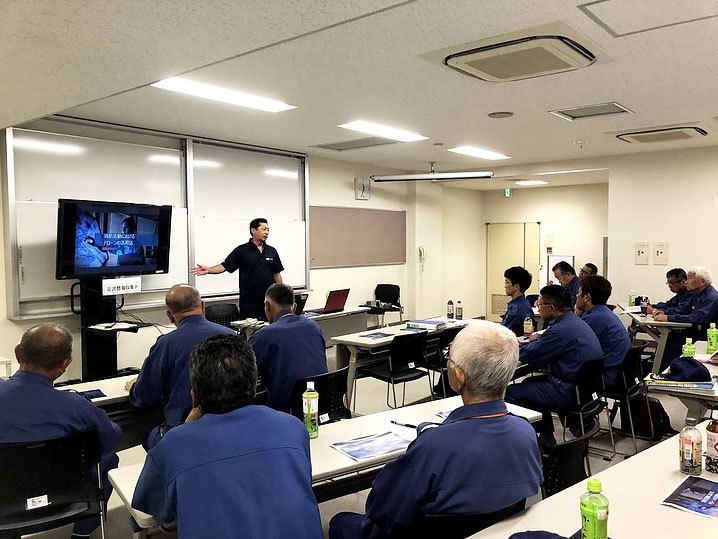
[(713, 325), (594, 484), (691, 421), (310, 385), (689, 341)]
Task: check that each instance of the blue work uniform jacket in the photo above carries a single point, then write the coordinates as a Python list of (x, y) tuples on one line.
[(679, 303), (290, 348), (516, 312), (702, 310), (572, 289), (468, 464), (164, 377), (33, 410), (563, 347), (244, 473), (614, 340)]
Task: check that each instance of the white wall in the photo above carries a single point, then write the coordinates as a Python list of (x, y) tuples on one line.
[(575, 216), (464, 249)]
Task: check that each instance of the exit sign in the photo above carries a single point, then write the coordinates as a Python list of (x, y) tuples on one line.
[(507, 192)]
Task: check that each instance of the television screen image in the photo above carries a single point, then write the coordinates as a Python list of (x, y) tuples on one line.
[(109, 238)]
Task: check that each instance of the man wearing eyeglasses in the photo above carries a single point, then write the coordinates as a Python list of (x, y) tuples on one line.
[(562, 348), (676, 281)]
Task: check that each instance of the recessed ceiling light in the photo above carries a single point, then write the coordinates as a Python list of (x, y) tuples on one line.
[(45, 146), (224, 95), (280, 173), (530, 182), (384, 131), (567, 171), (480, 153), (501, 114)]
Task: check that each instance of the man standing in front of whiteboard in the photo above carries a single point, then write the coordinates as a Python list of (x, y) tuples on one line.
[(259, 267)]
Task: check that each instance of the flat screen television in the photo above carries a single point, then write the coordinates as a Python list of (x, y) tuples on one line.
[(109, 239)]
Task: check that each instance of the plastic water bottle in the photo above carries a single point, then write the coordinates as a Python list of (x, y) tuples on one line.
[(712, 339), (594, 512), (691, 448), (528, 326), (631, 298), (459, 311), (450, 309), (310, 406), (688, 349)]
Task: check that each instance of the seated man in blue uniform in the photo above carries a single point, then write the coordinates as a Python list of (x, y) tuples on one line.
[(516, 282), (479, 460), (593, 294), (290, 348), (164, 377), (32, 410), (232, 469), (676, 281), (562, 348), (587, 269), (566, 276), (702, 310)]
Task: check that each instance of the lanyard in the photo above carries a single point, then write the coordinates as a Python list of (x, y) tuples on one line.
[(288, 314), (483, 416)]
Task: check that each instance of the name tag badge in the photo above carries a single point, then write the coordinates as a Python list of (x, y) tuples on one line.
[(269, 259), (37, 502)]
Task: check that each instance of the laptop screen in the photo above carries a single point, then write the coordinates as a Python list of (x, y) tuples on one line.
[(336, 300)]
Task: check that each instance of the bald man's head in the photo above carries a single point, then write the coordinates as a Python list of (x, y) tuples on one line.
[(182, 300), (44, 347)]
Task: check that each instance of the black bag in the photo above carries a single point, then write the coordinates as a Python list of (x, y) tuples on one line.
[(641, 424)]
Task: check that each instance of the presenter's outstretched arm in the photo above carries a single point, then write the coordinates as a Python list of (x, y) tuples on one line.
[(199, 269)]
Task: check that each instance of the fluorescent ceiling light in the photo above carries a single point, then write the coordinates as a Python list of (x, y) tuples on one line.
[(383, 131), (279, 173), (567, 171), (480, 153), (175, 160), (433, 176), (530, 182), (224, 95), (45, 146)]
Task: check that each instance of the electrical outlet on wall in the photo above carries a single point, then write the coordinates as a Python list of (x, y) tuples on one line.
[(660, 253), (640, 252)]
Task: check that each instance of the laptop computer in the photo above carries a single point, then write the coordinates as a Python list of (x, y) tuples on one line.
[(335, 302), (300, 300)]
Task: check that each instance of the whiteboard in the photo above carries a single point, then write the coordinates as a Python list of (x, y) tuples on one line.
[(216, 238)]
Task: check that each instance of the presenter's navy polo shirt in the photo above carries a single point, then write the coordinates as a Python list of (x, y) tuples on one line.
[(256, 273)]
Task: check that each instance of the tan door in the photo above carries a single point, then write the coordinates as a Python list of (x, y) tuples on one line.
[(509, 244)]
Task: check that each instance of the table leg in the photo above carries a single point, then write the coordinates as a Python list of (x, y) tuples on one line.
[(353, 352), (696, 408), (660, 349)]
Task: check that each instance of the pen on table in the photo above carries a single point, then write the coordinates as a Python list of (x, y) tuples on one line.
[(403, 424)]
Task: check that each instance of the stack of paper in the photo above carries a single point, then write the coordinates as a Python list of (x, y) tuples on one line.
[(704, 388)]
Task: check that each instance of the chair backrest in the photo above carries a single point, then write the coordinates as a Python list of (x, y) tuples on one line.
[(222, 313), (332, 387), (456, 525), (407, 352), (589, 380), (62, 471), (631, 368), (565, 464), (437, 360), (387, 293), (532, 298)]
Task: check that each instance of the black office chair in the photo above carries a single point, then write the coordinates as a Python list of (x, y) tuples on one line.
[(332, 389), (565, 464), (458, 526), (406, 356), (222, 313), (387, 294), (60, 479), (630, 387), (436, 362)]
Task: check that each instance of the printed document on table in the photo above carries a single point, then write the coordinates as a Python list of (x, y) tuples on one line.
[(372, 446), (695, 495)]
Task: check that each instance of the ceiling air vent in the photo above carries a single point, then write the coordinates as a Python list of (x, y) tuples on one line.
[(523, 58), (590, 111), (355, 144), (668, 134)]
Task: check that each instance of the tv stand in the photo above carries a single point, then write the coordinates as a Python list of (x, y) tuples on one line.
[(99, 348)]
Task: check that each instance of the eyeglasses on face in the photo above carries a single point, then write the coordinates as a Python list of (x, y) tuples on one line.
[(676, 281)]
